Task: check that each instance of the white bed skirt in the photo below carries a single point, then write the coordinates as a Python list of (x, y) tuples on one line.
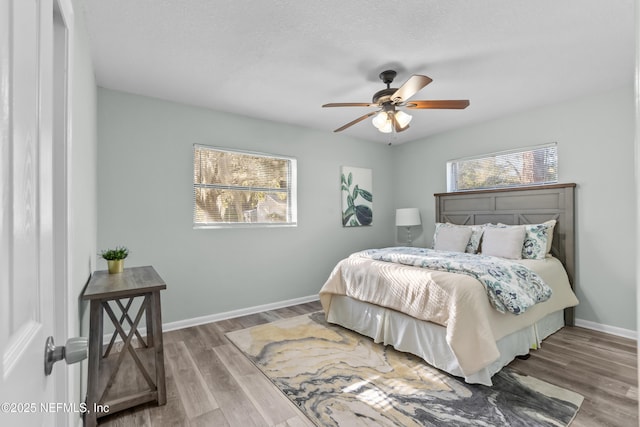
[(428, 340)]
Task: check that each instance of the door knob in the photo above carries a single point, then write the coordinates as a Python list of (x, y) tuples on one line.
[(73, 351)]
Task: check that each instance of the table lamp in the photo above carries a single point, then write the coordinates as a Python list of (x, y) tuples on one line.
[(408, 217)]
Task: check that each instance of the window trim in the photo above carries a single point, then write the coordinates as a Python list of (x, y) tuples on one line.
[(450, 165), (291, 191)]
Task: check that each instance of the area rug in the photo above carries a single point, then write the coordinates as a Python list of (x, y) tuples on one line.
[(340, 378)]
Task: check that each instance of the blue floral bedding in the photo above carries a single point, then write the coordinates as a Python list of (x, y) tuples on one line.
[(510, 286)]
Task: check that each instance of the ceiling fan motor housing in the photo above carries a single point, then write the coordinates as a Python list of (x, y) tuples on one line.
[(383, 95)]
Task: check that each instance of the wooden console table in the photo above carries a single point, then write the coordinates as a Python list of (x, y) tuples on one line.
[(135, 374)]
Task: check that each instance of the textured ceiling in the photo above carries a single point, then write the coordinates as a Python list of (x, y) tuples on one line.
[(280, 60)]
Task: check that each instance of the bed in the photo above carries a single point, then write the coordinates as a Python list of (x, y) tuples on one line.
[(446, 318)]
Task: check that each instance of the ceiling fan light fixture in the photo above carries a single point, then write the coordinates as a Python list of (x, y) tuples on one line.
[(382, 122), (387, 127), (403, 119), (380, 119)]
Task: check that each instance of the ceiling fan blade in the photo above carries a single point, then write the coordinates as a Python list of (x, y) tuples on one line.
[(358, 120), (350, 104), (410, 88), (450, 104)]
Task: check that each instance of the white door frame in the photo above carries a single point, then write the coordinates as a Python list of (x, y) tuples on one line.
[(66, 382)]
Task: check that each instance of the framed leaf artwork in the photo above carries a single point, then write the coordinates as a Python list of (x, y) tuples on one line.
[(357, 196)]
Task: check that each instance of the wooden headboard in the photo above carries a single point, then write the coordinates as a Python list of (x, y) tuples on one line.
[(514, 206)]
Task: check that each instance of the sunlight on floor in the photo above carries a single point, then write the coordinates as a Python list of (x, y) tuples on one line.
[(368, 392), (376, 399), (373, 396)]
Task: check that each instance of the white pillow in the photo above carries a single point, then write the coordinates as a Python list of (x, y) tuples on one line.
[(503, 242), (474, 241), (453, 239)]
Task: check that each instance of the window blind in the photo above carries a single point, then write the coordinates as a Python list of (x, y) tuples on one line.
[(242, 188), (515, 168)]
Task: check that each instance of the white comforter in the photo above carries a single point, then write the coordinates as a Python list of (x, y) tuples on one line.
[(455, 301)]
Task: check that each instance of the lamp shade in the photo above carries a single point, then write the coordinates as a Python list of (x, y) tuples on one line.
[(380, 119), (403, 119), (407, 217), (382, 122)]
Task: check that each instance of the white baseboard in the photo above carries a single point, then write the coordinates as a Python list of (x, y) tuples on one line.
[(613, 330), (180, 324)]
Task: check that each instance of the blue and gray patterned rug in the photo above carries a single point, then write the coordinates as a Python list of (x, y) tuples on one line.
[(340, 378)]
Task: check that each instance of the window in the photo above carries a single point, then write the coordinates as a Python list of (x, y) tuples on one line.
[(515, 168), (236, 188)]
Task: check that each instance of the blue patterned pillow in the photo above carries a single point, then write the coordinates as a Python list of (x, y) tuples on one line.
[(537, 239)]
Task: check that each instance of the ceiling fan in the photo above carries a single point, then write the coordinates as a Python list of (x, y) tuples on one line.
[(389, 118)]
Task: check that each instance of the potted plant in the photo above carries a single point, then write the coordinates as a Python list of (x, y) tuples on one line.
[(115, 258)]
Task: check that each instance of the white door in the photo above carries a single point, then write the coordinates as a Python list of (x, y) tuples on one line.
[(26, 215)]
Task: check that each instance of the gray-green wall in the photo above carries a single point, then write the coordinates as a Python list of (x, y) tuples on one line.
[(145, 201), (595, 137)]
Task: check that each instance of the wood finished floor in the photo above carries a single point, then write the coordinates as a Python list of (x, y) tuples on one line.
[(210, 383)]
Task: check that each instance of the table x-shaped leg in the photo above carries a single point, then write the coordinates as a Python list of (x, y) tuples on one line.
[(123, 317), (127, 344)]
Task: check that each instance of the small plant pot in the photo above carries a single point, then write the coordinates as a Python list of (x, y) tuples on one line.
[(115, 266)]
